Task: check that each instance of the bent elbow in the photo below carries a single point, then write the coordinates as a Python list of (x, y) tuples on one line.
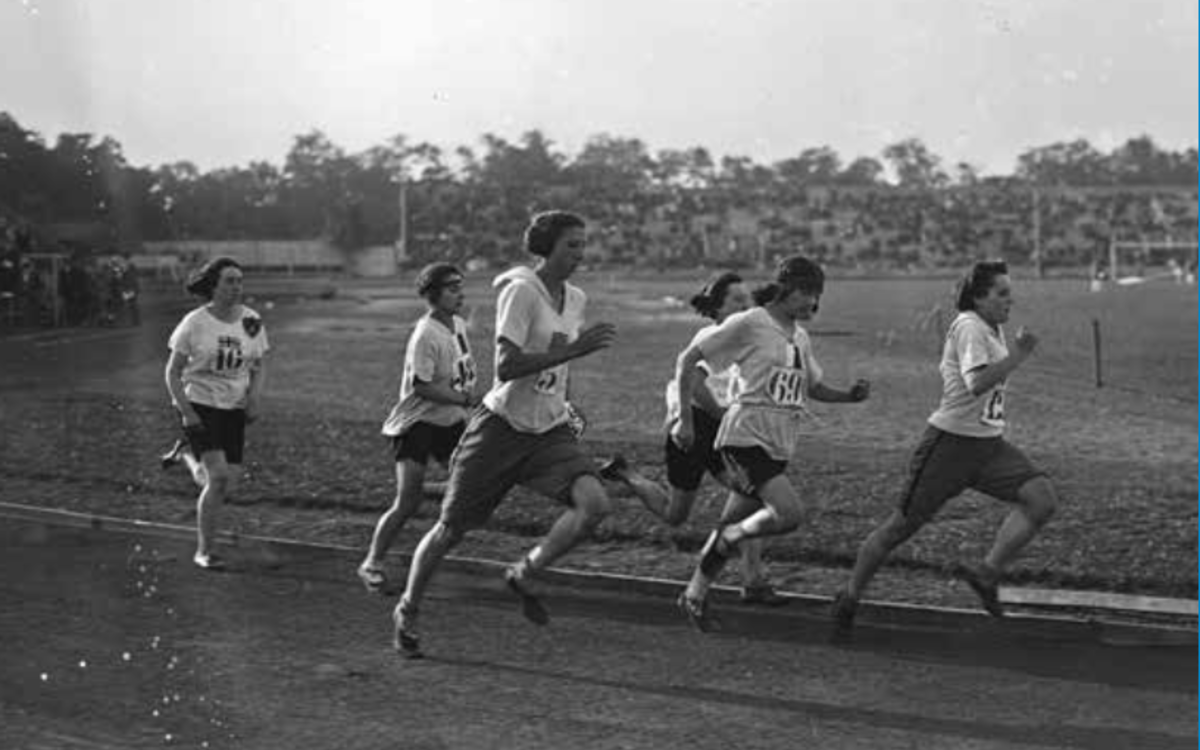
[(687, 360), (504, 371)]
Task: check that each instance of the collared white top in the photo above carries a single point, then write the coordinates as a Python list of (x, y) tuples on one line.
[(219, 355), (775, 369), (970, 343), (434, 353), (527, 317)]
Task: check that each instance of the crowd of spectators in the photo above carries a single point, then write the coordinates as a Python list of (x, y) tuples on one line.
[(76, 289), (896, 228)]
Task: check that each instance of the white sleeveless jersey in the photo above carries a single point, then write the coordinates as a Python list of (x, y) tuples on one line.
[(970, 343), (219, 355), (434, 353), (526, 316), (720, 384), (774, 370)]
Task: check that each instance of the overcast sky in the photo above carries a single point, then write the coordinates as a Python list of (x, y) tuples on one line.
[(224, 82)]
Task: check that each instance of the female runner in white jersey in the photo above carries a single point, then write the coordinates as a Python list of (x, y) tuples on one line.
[(776, 375), (214, 375), (437, 392), (520, 434), (720, 298), (963, 446)]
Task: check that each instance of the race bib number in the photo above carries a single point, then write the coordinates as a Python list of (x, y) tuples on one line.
[(465, 375), (229, 354), (786, 386), (550, 381), (993, 408)]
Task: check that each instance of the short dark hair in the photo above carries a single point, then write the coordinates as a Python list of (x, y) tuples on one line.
[(203, 280), (765, 294), (545, 228), (798, 272), (710, 299), (978, 281), (434, 277)]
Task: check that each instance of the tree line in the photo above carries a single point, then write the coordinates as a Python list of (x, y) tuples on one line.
[(482, 195)]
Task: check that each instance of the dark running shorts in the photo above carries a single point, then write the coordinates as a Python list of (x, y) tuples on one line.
[(219, 430), (424, 441), (944, 465), (492, 457), (750, 468), (685, 469)]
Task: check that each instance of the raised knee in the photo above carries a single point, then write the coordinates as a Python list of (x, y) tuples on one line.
[(1044, 509), (589, 498), (1040, 499)]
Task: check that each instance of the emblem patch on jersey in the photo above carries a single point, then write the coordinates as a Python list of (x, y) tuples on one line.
[(252, 325)]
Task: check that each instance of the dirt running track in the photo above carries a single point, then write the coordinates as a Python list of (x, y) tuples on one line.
[(112, 639)]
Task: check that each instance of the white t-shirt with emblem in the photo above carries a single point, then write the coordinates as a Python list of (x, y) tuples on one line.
[(775, 369), (219, 355), (970, 343), (720, 384), (434, 353), (526, 316)]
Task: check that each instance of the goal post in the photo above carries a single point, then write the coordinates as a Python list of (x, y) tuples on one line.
[(1138, 261)]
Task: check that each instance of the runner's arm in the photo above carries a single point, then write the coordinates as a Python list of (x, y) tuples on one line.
[(174, 378), (513, 362)]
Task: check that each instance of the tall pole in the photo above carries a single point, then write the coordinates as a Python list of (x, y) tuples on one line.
[(402, 238), (1037, 233)]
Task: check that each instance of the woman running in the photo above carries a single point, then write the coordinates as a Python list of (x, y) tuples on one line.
[(215, 376), (437, 392), (963, 447), (776, 375), (720, 298)]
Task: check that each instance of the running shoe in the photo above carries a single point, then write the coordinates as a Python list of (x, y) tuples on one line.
[(174, 455), (843, 610), (372, 577), (613, 470), (404, 632), (208, 561), (986, 589), (698, 613), (516, 577)]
